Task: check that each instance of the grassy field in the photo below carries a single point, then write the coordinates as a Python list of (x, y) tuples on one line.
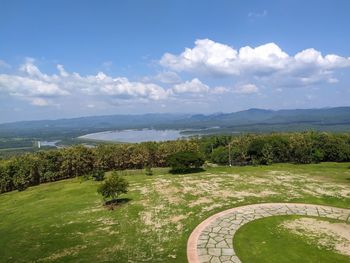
[(265, 241), (65, 221)]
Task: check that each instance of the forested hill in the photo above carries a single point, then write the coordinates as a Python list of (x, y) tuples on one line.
[(252, 120), (259, 120)]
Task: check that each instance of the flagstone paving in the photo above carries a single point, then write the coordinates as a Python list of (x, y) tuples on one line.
[(212, 240)]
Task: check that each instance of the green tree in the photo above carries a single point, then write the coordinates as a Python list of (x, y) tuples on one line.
[(77, 161), (220, 155), (97, 175), (104, 157), (182, 162), (280, 147), (50, 165), (240, 146), (26, 171), (139, 156), (148, 170), (7, 172), (113, 186), (301, 148), (266, 155), (151, 154)]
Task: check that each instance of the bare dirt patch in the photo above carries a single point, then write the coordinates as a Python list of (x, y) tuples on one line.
[(311, 186), (63, 253), (200, 201), (168, 191), (177, 218), (335, 236)]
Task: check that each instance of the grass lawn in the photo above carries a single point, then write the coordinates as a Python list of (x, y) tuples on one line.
[(265, 241), (65, 221)]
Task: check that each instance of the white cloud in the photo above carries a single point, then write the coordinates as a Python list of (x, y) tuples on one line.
[(220, 90), (168, 77), (62, 71), (246, 89), (33, 85), (39, 102), (193, 86), (257, 14), (313, 57), (26, 86), (207, 55), (265, 65), (119, 87), (212, 58), (333, 80)]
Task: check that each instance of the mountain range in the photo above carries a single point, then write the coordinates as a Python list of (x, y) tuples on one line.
[(251, 120)]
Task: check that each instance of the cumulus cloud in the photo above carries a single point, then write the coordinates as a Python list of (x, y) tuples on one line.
[(249, 67), (213, 58), (207, 55), (119, 87), (33, 85), (220, 90), (246, 89), (39, 102), (168, 77), (26, 86), (193, 86), (39, 88)]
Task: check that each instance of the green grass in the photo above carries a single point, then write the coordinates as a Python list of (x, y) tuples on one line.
[(263, 241), (66, 222)]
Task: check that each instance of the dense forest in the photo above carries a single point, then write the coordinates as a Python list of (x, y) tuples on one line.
[(29, 169)]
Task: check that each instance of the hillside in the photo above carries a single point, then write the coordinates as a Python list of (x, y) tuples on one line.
[(66, 222), (252, 120)]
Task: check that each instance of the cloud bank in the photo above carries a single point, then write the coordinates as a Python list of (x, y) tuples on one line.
[(216, 59), (208, 70), (39, 88)]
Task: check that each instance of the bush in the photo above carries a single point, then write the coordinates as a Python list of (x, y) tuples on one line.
[(182, 162), (148, 171), (113, 186), (266, 155), (98, 175), (220, 155)]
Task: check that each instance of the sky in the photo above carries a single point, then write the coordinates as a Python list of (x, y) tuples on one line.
[(63, 59)]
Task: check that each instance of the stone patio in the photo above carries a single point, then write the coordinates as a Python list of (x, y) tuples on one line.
[(212, 240)]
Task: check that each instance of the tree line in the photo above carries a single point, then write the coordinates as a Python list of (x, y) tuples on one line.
[(31, 169), (300, 148)]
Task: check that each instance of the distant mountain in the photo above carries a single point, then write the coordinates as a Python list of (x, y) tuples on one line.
[(339, 115), (252, 120), (56, 129)]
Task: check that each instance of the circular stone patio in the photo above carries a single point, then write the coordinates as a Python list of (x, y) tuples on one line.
[(212, 240)]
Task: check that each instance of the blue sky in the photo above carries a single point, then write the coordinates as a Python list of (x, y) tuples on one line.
[(78, 58)]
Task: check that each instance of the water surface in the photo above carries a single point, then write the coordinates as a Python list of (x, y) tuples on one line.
[(135, 136)]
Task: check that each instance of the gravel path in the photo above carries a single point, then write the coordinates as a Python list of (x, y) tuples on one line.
[(212, 240)]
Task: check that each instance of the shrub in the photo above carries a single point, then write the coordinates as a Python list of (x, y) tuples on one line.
[(182, 162), (260, 151), (113, 186), (98, 175), (220, 155), (266, 155), (301, 148), (317, 156), (148, 171)]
